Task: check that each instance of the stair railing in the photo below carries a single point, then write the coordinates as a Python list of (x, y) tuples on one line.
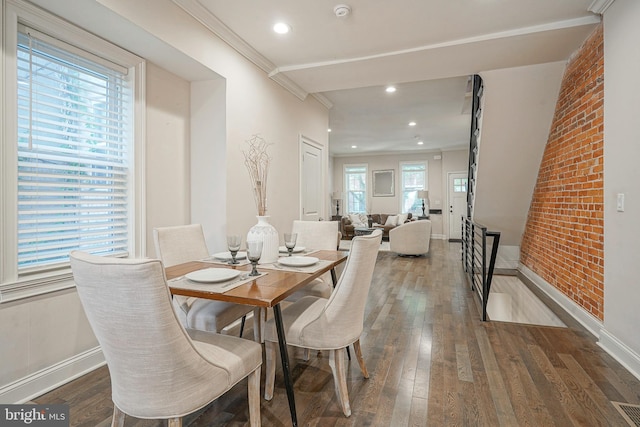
[(474, 258)]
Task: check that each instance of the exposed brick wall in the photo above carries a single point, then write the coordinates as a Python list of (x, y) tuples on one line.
[(563, 240)]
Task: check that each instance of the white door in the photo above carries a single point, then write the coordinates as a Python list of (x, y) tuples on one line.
[(457, 203), (311, 181)]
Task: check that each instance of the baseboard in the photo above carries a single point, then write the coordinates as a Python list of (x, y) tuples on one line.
[(38, 383), (609, 343), (439, 237), (619, 351), (590, 323)]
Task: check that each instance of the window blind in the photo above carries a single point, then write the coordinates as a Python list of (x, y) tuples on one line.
[(73, 155)]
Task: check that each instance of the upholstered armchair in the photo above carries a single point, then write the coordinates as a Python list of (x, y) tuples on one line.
[(183, 243), (330, 324), (411, 238), (158, 369)]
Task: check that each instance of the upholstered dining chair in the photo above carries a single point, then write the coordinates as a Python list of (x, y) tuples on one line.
[(330, 324), (158, 369), (316, 235), (183, 243)]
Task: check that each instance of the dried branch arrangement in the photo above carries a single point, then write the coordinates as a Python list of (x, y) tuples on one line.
[(257, 162)]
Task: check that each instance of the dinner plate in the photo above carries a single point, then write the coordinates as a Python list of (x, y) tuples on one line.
[(226, 256), (212, 275), (298, 261), (296, 250)]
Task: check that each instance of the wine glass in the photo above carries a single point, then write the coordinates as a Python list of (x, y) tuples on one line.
[(233, 243), (290, 241), (254, 252)]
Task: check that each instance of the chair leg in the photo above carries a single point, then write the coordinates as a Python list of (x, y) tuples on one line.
[(175, 422), (254, 398), (306, 354), (363, 367), (118, 417), (270, 369), (244, 319), (336, 361)]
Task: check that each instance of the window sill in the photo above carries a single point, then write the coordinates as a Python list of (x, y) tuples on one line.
[(31, 288)]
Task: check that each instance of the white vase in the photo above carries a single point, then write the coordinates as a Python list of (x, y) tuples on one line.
[(267, 233)]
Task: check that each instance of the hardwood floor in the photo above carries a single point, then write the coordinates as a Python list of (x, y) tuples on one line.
[(431, 361)]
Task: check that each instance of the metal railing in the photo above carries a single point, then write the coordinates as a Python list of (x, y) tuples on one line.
[(474, 258)]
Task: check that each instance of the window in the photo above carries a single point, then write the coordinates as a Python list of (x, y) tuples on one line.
[(355, 180), (459, 185), (70, 142), (413, 178)]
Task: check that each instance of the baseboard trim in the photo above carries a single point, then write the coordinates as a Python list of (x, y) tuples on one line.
[(628, 358), (619, 351), (38, 383), (590, 323)]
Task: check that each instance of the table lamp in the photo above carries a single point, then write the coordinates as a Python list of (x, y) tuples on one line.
[(337, 196), (423, 194)]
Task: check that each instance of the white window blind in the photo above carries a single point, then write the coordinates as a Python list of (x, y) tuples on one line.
[(73, 154)]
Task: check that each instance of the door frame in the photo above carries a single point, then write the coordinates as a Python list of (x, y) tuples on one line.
[(447, 226), (302, 139)]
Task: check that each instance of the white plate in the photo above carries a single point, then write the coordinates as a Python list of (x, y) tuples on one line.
[(213, 275), (298, 261), (296, 250), (226, 256)]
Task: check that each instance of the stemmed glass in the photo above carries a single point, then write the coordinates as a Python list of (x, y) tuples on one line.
[(233, 243), (290, 241), (254, 252)]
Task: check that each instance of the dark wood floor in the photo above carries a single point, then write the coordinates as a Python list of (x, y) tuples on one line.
[(432, 362)]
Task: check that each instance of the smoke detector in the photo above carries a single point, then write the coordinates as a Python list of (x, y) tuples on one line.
[(342, 10)]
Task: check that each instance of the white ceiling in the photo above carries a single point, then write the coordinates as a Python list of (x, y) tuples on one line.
[(427, 48)]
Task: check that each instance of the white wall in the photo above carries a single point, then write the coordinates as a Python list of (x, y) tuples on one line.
[(622, 174), (519, 104)]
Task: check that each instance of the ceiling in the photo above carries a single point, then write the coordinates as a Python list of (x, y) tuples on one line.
[(426, 48)]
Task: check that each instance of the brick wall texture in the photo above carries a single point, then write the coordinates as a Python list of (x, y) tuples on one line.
[(563, 242)]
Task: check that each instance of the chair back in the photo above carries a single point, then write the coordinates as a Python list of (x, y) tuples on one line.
[(316, 235), (179, 244), (342, 320), (156, 372)]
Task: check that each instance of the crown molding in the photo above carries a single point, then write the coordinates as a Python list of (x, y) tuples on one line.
[(216, 26), (600, 6), (323, 100)]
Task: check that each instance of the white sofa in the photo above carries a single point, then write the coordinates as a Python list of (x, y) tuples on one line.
[(411, 238)]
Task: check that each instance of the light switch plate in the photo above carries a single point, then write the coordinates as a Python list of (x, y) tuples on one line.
[(620, 203)]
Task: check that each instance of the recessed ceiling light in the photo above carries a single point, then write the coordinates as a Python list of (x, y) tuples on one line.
[(390, 89), (420, 143), (281, 28), (412, 123), (354, 146), (329, 130)]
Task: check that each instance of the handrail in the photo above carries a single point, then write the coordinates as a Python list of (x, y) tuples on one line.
[(474, 258)]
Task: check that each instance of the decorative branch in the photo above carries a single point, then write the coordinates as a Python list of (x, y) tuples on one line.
[(257, 162)]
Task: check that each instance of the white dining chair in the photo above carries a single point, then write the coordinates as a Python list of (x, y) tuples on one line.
[(330, 324), (158, 369), (316, 235), (183, 243)]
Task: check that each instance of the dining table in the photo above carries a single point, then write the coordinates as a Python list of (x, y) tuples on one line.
[(275, 283)]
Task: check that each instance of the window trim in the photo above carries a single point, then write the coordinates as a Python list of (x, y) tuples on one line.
[(18, 11), (426, 179), (346, 190)]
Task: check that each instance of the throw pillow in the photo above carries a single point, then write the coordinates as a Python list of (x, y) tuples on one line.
[(364, 219), (392, 220), (402, 218), (355, 220)]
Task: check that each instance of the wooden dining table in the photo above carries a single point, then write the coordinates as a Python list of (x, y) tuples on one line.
[(266, 290)]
